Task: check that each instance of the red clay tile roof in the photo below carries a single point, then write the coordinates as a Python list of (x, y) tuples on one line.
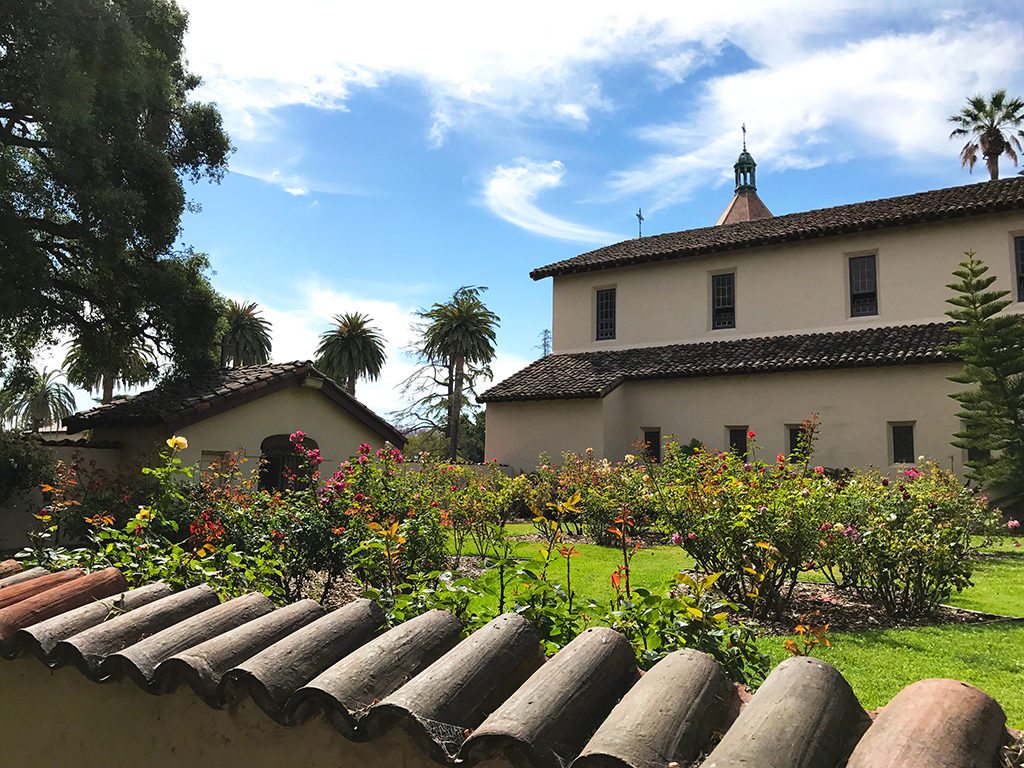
[(595, 374), (490, 696), (936, 205), (182, 401), (744, 206)]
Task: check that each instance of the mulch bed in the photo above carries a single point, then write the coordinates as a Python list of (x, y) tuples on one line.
[(847, 610)]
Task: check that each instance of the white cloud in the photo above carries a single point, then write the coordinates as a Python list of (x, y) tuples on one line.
[(510, 192), (533, 58), (885, 96), (574, 112), (818, 80), (295, 183)]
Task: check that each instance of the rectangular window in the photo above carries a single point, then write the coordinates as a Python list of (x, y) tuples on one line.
[(606, 314), (863, 286), (723, 300), (652, 444), (902, 443), (1018, 260), (794, 438), (738, 440)]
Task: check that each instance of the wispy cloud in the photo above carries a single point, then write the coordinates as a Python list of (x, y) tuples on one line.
[(297, 184), (510, 192), (884, 96)]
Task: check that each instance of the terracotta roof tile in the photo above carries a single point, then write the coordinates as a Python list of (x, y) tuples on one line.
[(588, 705), (935, 205), (595, 374), (179, 401)]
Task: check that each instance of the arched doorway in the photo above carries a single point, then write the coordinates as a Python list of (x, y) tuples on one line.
[(279, 461)]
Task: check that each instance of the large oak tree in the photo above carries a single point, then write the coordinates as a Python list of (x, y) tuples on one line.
[(97, 135)]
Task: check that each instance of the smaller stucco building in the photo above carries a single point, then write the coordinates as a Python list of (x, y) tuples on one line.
[(250, 410)]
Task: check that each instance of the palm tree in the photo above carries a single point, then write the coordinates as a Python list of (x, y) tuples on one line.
[(42, 401), (989, 126), (459, 332), (101, 357), (247, 339), (351, 349)]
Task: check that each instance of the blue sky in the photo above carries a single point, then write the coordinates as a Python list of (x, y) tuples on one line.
[(388, 153)]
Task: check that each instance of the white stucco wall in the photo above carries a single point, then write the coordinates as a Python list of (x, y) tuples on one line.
[(517, 433), (795, 287), (855, 408)]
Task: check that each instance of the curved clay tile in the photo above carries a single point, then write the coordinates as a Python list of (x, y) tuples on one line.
[(272, 676), (549, 719), (376, 670), (139, 661), (40, 639), (53, 602), (669, 716), (88, 649), (934, 723), (18, 576), (458, 691), (15, 593), (804, 716), (204, 665)]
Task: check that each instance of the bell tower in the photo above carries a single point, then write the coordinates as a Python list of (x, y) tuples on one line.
[(745, 204)]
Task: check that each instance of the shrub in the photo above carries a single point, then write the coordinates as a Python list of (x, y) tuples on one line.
[(909, 541), (607, 490), (756, 523)]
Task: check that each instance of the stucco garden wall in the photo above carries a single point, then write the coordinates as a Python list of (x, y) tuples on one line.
[(97, 726), (855, 407), (796, 287), (17, 512)]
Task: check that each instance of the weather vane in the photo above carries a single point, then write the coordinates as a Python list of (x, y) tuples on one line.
[(744, 126), (639, 222)]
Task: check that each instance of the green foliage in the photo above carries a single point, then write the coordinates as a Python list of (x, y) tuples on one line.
[(457, 345), (32, 399), (351, 349), (756, 523), (24, 463), (991, 347), (149, 547), (246, 340), (607, 490), (989, 125), (102, 356), (687, 612), (98, 132), (908, 542)]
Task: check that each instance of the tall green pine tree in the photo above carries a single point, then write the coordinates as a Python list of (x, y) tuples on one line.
[(991, 347)]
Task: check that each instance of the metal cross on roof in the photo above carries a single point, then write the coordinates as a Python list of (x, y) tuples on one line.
[(639, 222)]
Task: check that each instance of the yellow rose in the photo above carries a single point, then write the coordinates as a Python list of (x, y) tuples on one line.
[(177, 443)]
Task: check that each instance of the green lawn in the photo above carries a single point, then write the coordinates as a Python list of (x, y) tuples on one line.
[(877, 663)]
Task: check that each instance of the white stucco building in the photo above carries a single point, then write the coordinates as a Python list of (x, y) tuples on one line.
[(758, 321)]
